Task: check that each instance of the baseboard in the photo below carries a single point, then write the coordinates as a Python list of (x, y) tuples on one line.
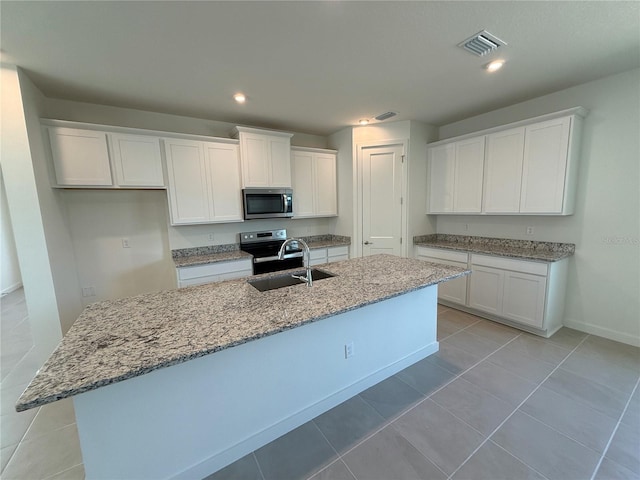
[(603, 332), (260, 439), (11, 288)]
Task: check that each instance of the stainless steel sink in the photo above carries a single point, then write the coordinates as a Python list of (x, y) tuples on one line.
[(271, 283)]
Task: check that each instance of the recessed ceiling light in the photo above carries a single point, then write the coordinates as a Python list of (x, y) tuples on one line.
[(494, 66), (363, 121), (239, 97)]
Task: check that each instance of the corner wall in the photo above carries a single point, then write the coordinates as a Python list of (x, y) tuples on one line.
[(603, 285), (10, 278)]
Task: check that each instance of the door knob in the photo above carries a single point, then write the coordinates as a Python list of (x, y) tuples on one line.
[(368, 243)]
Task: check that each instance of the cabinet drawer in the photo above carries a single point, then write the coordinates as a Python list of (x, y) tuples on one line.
[(524, 266), (318, 254), (220, 268), (438, 253), (337, 252)]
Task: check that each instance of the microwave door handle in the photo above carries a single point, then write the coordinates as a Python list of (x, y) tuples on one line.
[(285, 200)]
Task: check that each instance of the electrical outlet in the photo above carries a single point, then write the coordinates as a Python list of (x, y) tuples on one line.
[(466, 227), (348, 350), (88, 291), (529, 230), (211, 237), (125, 243)]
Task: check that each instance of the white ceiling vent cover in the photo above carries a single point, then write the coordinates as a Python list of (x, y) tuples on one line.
[(482, 43), (384, 116)]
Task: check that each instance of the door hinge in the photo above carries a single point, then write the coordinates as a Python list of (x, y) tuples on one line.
[(402, 158), (400, 240), (401, 201)]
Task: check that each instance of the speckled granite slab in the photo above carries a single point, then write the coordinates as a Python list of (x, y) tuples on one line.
[(501, 247), (116, 340), (325, 241), (193, 260)]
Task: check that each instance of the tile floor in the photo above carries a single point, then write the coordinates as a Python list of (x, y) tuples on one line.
[(39, 443), (493, 403)]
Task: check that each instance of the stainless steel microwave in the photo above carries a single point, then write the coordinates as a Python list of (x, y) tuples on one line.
[(267, 203)]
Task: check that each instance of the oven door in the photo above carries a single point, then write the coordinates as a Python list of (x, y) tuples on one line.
[(267, 203)]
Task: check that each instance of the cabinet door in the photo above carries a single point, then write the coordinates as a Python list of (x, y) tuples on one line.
[(454, 290), (503, 171), (254, 152), (469, 166), (318, 256), (137, 160), (303, 184), (225, 191), (80, 157), (187, 178), (441, 170), (524, 298), (546, 146), (325, 184), (279, 162), (486, 289), (337, 254)]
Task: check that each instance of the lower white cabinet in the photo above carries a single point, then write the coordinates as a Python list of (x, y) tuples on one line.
[(214, 272), (522, 293), (319, 256)]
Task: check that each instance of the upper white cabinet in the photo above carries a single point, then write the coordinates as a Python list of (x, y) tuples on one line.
[(99, 159), (524, 168), (80, 157), (137, 160), (314, 182), (204, 182), (455, 176), (265, 156)]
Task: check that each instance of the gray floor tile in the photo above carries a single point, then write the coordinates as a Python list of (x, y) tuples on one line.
[(491, 462), (473, 344), (577, 421), (349, 423), (245, 468), (625, 448), (513, 359), (469, 403), (541, 349), (438, 435), (621, 354), (612, 471), (500, 382), (547, 451), (391, 397), (632, 415), (592, 394), (51, 417), (9, 396), (453, 359), (335, 471), (296, 455), (567, 337), (425, 376), (446, 328), (458, 318), (493, 331), (601, 369), (74, 473), (5, 455), (14, 425), (389, 455)]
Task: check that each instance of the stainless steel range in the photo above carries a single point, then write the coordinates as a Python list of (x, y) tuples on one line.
[(264, 247)]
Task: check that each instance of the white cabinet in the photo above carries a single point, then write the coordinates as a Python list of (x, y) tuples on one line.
[(455, 177), (314, 182), (503, 171), (453, 291), (319, 256), (545, 166), (512, 289), (214, 272), (137, 160), (99, 159), (265, 157), (529, 168), (203, 181), (80, 157)]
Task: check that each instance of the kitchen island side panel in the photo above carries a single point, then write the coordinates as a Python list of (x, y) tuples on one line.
[(194, 418)]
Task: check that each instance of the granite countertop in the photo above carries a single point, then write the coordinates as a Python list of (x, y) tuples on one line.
[(500, 247), (119, 339), (190, 257)]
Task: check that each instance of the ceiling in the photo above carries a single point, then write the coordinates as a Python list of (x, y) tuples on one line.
[(314, 67)]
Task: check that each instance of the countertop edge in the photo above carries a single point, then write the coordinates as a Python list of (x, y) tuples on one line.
[(546, 257)]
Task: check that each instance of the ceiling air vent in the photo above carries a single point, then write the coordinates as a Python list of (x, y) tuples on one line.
[(386, 115), (482, 43)]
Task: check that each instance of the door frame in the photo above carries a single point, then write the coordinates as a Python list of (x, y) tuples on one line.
[(356, 244)]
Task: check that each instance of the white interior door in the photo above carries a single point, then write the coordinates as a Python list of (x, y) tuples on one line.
[(382, 199)]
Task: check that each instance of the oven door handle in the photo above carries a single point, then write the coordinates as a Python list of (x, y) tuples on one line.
[(271, 259)]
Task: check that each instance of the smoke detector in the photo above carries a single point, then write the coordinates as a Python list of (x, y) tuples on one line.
[(482, 43), (385, 116)]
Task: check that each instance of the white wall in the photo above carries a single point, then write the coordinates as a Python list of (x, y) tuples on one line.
[(604, 282), (342, 141), (419, 222), (10, 278), (27, 216)]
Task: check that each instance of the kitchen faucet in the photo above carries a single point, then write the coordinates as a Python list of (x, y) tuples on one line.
[(308, 280)]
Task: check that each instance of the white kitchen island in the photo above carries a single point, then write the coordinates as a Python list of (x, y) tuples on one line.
[(179, 384)]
